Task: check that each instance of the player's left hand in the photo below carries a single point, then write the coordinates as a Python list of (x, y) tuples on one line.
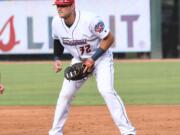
[(89, 65)]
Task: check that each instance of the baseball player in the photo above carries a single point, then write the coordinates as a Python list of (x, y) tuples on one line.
[(1, 88), (86, 37)]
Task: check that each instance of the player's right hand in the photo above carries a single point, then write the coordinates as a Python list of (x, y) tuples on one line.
[(57, 66), (89, 63)]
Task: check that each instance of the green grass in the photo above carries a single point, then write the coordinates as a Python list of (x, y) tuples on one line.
[(136, 83)]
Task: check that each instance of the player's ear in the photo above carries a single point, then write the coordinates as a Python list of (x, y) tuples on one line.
[(73, 6)]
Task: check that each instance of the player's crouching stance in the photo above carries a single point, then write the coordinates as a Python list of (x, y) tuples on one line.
[(87, 38)]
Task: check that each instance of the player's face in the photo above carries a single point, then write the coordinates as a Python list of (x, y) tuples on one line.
[(64, 11)]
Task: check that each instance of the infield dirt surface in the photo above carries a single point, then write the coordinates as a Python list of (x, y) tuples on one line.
[(89, 120)]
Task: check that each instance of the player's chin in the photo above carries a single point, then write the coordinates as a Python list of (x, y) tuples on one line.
[(62, 15)]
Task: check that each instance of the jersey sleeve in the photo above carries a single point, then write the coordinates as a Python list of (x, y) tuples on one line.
[(54, 35), (99, 28)]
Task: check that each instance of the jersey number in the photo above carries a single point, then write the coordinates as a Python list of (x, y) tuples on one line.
[(85, 49)]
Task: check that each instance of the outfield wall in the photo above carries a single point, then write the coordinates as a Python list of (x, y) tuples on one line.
[(25, 26)]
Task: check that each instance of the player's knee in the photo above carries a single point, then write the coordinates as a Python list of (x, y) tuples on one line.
[(65, 98)]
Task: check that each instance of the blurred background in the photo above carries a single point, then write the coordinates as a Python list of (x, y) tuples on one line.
[(144, 29)]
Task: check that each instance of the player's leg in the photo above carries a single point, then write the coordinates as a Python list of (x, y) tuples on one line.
[(105, 82), (69, 88)]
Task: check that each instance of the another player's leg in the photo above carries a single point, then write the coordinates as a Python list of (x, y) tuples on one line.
[(66, 95), (105, 80)]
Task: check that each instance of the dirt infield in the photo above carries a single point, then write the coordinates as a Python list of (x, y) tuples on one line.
[(89, 120)]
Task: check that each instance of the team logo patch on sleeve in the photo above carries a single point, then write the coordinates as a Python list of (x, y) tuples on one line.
[(99, 27)]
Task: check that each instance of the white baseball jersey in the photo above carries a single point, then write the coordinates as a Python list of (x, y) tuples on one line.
[(83, 37)]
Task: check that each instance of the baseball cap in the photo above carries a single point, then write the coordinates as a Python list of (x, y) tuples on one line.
[(63, 2)]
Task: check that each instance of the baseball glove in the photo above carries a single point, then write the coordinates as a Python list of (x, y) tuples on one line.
[(75, 72)]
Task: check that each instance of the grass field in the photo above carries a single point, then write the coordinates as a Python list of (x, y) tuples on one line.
[(136, 82)]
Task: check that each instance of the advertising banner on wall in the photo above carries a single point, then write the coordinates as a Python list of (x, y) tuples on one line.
[(25, 26)]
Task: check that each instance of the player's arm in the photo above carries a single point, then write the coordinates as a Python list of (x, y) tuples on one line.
[(104, 46), (58, 51), (98, 28)]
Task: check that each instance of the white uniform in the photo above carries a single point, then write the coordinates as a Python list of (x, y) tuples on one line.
[(81, 40)]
